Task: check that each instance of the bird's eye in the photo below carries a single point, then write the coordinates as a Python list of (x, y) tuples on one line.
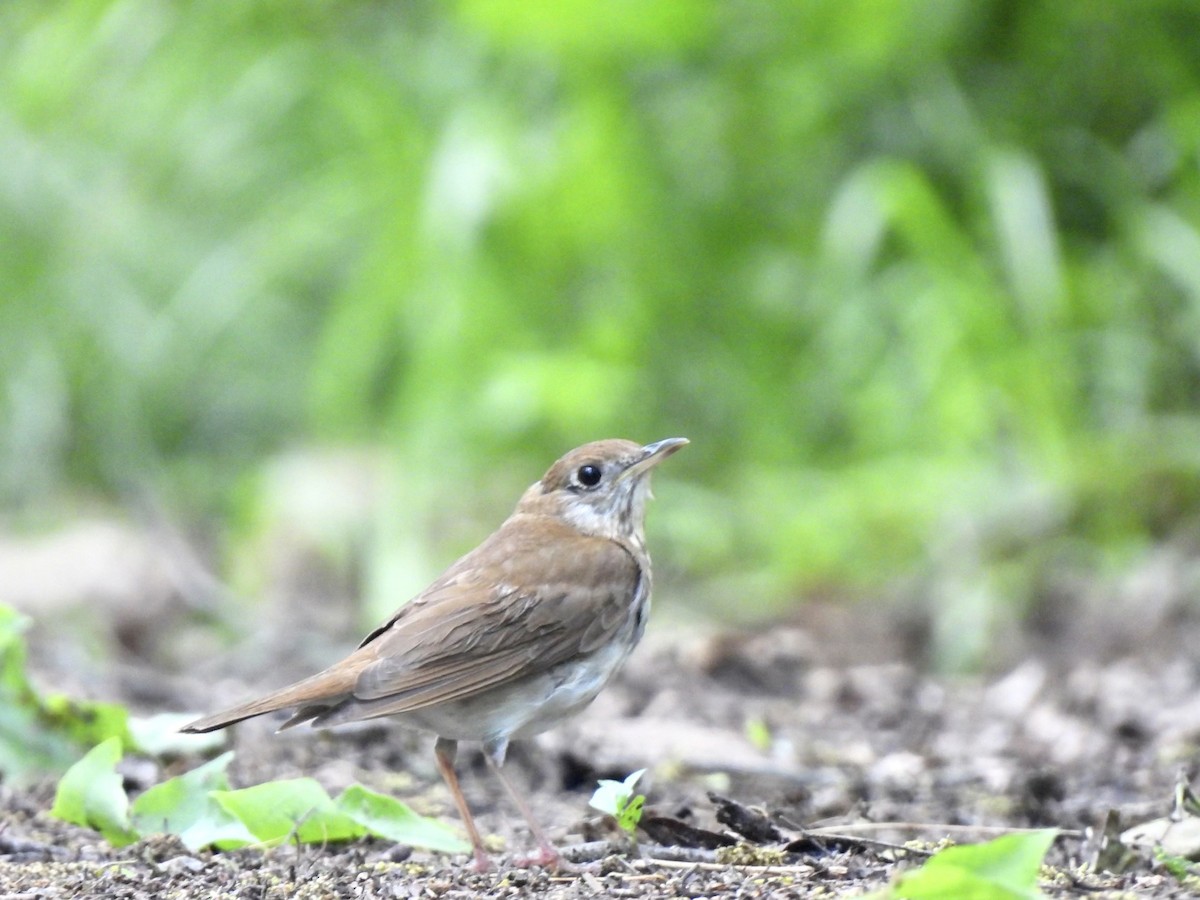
[(589, 476)]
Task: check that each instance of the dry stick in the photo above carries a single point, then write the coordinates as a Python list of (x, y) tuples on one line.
[(590, 851), (682, 857), (686, 855), (597, 850), (835, 830), (824, 834), (721, 867)]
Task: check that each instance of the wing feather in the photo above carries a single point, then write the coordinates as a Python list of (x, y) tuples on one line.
[(465, 634), (535, 594)]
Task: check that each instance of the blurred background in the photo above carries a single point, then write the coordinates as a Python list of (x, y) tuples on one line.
[(296, 298)]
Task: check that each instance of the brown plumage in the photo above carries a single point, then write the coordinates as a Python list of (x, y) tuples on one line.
[(519, 633)]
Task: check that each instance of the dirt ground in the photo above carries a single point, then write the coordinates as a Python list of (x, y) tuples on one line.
[(789, 761)]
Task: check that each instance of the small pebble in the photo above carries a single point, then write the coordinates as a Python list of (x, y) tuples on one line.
[(399, 853), (180, 864)]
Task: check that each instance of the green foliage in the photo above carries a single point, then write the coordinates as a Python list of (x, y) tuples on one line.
[(388, 818), (200, 808), (758, 733), (616, 798), (91, 793), (44, 733), (1179, 867), (1003, 869), (185, 805), (910, 303), (299, 808)]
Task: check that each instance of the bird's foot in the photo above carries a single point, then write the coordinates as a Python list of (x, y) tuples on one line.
[(545, 857), (483, 862)]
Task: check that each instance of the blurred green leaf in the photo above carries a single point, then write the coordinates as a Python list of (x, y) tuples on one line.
[(758, 733), (92, 794), (185, 806), (295, 809), (388, 818), (1004, 868), (24, 746), (199, 807), (44, 734), (591, 28), (86, 722)]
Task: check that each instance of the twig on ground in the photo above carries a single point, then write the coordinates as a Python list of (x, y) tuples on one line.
[(719, 867), (855, 841), (931, 826), (591, 851)]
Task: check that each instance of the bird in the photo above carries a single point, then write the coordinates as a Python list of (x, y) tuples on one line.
[(515, 636)]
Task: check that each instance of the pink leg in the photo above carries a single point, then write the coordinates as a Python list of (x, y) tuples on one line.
[(445, 751), (546, 856)]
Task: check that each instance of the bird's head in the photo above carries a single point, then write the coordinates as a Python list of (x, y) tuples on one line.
[(601, 488)]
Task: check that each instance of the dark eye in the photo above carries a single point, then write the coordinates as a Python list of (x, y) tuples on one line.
[(589, 476)]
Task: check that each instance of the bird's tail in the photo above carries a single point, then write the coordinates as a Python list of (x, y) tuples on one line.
[(321, 691)]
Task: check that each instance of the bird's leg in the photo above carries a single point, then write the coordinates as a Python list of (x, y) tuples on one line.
[(546, 856), (445, 751)]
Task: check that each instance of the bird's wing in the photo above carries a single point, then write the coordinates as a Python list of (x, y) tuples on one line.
[(524, 601), (534, 594)]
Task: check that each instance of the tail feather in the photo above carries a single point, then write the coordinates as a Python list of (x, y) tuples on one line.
[(321, 691), (304, 714)]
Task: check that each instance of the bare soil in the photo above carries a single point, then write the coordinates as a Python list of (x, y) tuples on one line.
[(799, 760)]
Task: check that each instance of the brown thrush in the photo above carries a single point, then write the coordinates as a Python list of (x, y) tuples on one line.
[(518, 634)]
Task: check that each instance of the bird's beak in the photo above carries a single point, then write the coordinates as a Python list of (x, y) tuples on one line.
[(653, 454)]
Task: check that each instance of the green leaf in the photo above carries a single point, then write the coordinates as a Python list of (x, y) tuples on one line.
[(40, 734), (84, 722), (616, 799), (758, 733), (25, 747), (297, 808), (1179, 867), (184, 805), (388, 818), (631, 814), (1004, 869), (91, 793)]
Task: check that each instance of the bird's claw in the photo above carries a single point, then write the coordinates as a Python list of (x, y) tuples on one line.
[(545, 858)]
